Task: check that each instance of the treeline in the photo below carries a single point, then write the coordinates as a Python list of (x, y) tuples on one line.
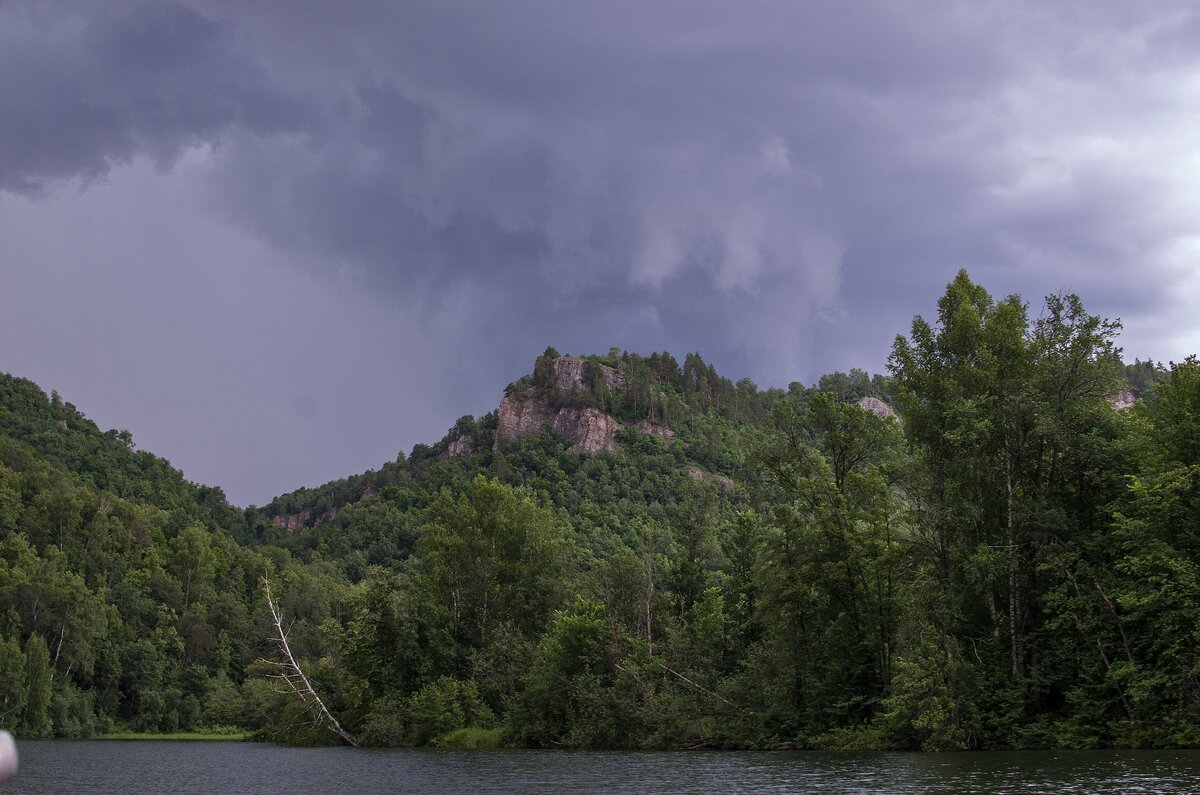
[(1012, 564), (129, 598), (114, 611), (654, 388)]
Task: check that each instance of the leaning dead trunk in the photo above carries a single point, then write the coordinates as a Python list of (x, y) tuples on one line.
[(292, 677), (1015, 616)]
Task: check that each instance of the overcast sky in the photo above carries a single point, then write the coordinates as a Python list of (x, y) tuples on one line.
[(282, 242)]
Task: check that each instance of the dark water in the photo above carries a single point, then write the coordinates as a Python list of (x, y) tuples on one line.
[(64, 766)]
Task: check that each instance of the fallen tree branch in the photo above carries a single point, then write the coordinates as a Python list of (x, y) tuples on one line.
[(702, 689), (632, 674), (293, 677)]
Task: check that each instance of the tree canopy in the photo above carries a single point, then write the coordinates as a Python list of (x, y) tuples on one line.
[(1010, 561)]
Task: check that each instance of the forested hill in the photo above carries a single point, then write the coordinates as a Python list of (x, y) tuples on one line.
[(57, 433), (612, 406), (994, 546)]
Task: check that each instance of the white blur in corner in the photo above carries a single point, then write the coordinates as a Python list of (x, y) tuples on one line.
[(8, 757)]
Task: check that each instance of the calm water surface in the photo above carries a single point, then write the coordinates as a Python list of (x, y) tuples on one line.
[(65, 766)]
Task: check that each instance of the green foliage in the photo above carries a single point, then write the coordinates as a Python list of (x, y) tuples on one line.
[(568, 692), (438, 713), (1012, 564), (13, 677), (1143, 376), (445, 706), (36, 720), (492, 557), (224, 704), (73, 711), (472, 739)]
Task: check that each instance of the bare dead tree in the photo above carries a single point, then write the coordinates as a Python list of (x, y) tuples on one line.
[(699, 688), (634, 675), (292, 678)]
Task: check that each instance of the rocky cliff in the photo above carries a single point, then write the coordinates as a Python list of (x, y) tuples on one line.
[(569, 374), (1123, 400), (877, 407), (591, 430), (291, 522), (459, 445), (650, 429)]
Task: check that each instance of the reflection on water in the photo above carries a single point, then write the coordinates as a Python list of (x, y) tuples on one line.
[(65, 766)]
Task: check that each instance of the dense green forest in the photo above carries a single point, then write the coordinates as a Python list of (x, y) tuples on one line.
[(1008, 560)]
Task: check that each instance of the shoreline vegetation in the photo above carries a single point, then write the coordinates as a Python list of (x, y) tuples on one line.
[(234, 735), (996, 545)]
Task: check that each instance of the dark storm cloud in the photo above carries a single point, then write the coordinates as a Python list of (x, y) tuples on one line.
[(738, 182), (87, 88), (778, 185)]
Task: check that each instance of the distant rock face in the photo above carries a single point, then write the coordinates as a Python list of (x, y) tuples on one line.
[(1123, 400), (650, 429), (520, 416), (877, 407), (568, 374), (291, 522), (461, 445), (592, 431)]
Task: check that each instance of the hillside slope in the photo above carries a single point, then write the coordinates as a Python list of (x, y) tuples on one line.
[(634, 552)]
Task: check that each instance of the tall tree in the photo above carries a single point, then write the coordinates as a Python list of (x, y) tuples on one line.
[(492, 557), (36, 722), (1000, 412)]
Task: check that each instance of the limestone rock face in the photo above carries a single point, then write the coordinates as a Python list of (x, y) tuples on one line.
[(520, 416), (650, 429), (568, 374), (291, 522), (877, 407), (592, 431), (1123, 400), (461, 445)]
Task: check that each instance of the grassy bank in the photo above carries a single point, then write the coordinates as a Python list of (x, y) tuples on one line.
[(196, 735), (471, 738)]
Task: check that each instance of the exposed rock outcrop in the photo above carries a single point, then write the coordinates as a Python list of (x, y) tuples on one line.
[(521, 416), (1123, 400), (291, 522), (592, 431), (877, 407), (569, 372), (650, 429), (460, 445)]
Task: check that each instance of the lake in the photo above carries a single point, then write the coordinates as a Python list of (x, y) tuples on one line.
[(96, 766)]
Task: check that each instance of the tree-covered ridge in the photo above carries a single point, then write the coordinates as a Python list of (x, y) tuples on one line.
[(135, 614), (104, 461), (1012, 564), (706, 418), (126, 599)]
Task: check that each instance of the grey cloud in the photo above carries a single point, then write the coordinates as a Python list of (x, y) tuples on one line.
[(84, 90), (780, 186), (550, 152)]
